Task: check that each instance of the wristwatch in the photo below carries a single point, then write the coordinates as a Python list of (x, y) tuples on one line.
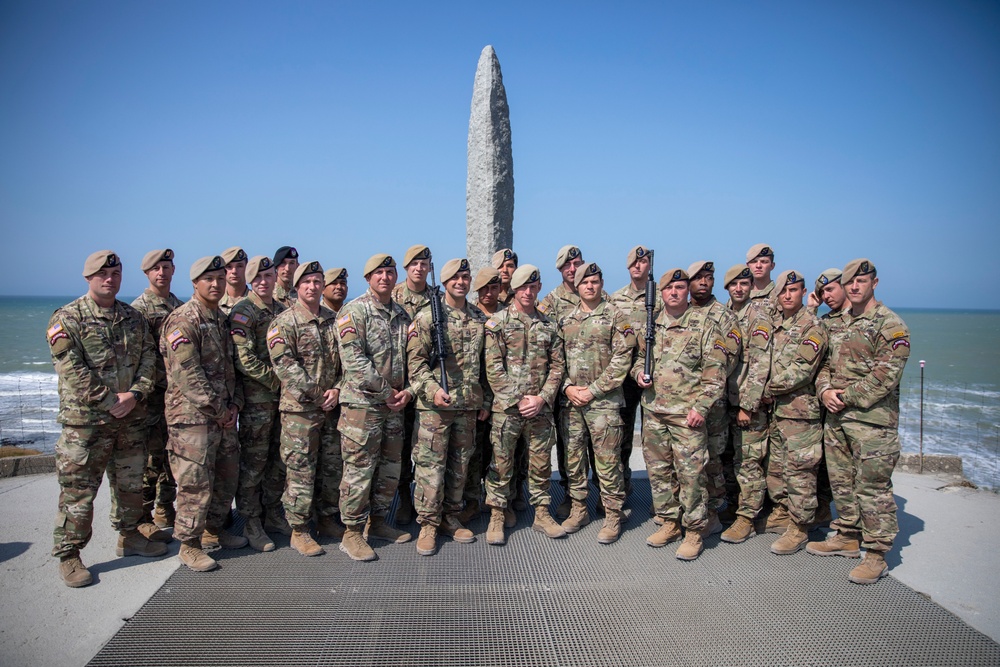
[(137, 395)]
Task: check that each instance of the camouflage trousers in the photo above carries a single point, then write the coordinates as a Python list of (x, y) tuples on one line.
[(717, 424), (676, 456), (540, 433), (158, 486), (633, 396), (479, 462), (310, 450), (444, 445), (795, 452), (205, 461), (371, 440), (82, 454), (262, 472), (604, 428), (860, 458), (406, 455), (750, 459)]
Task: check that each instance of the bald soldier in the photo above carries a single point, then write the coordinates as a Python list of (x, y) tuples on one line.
[(285, 260), (335, 292), (102, 351), (505, 262), (236, 280)]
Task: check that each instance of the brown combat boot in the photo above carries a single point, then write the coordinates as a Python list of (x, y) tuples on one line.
[(330, 526), (304, 543), (378, 529), (427, 540), (777, 521), (196, 559), (256, 537), (494, 532), (836, 544), (578, 517), (211, 541), (871, 569), (152, 533), (545, 524), (740, 531), (792, 540), (74, 573), (691, 547), (164, 515), (668, 532), (453, 528), (472, 510), (612, 527), (509, 518), (565, 507), (275, 522), (713, 526), (133, 543), (354, 544)]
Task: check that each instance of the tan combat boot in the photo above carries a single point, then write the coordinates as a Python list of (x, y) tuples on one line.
[(713, 526), (509, 518), (777, 521), (163, 516), (545, 524), (691, 547), (793, 539), (836, 544), (668, 532), (740, 531), (452, 527), (257, 538), (74, 573), (330, 526), (565, 507), (152, 533), (132, 543), (578, 517), (871, 569), (612, 527), (427, 540), (196, 559), (275, 522), (378, 529), (354, 544), (471, 512), (304, 543), (494, 532), (212, 541)]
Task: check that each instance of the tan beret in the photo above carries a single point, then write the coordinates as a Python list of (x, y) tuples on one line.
[(786, 278), (701, 265), (566, 253), (760, 250), (206, 264), (151, 258), (827, 277), (734, 272), (234, 254), (333, 275), (99, 260), (525, 274), (377, 262), (486, 276), (416, 252), (501, 256), (859, 267), (453, 266), (585, 271), (672, 276), (257, 265), (305, 269), (635, 253)]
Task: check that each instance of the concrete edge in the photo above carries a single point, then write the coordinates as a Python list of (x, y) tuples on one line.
[(15, 466)]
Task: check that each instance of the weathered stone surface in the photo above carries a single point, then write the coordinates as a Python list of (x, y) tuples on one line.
[(27, 465), (489, 193), (937, 464)]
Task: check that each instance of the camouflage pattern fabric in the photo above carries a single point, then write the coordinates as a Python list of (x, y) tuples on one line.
[(750, 446), (226, 303), (371, 440), (205, 460), (444, 446), (676, 456), (262, 472), (604, 428), (313, 469), (540, 434)]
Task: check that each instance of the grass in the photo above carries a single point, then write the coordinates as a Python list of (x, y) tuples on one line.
[(7, 451)]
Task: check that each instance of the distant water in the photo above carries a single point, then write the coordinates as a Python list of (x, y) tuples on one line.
[(961, 383)]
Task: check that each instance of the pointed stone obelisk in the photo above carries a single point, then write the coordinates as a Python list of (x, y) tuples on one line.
[(489, 190)]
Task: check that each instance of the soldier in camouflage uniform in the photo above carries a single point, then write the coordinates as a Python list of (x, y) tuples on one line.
[(262, 473), (525, 367), (688, 377), (236, 278), (760, 261), (286, 261), (859, 385), (203, 400), (103, 354), (302, 342), (446, 420), (505, 262), (599, 344), (335, 292), (372, 331)]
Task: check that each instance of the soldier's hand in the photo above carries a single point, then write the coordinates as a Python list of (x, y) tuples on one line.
[(124, 404), (398, 400), (530, 406), (813, 302), (579, 396), (442, 399), (229, 421), (643, 382), (743, 418), (695, 420), (330, 399), (483, 415), (832, 400)]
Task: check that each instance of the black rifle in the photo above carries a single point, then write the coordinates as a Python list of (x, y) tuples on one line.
[(438, 327), (647, 369)]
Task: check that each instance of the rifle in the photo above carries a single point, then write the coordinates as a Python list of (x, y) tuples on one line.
[(647, 369), (438, 327)]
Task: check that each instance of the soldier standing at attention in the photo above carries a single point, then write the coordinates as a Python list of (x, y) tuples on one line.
[(859, 385), (374, 392), (505, 262), (412, 295), (796, 432), (286, 260), (203, 400), (524, 366), (102, 351), (688, 377), (236, 278), (446, 420), (302, 342), (599, 343), (262, 474), (760, 260), (335, 292)]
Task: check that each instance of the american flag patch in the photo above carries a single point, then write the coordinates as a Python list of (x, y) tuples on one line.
[(274, 331), (240, 318), (174, 335), (346, 319)]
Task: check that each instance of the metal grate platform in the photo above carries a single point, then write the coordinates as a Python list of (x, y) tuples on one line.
[(541, 602)]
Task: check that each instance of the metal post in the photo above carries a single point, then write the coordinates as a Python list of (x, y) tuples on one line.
[(922, 362)]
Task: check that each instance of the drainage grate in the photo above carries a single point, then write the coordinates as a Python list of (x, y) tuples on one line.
[(542, 602)]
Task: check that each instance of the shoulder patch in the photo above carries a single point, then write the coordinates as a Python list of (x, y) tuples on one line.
[(411, 331), (237, 332), (274, 337), (543, 308), (719, 345), (628, 331), (176, 338), (761, 331), (239, 318), (735, 335), (59, 340), (346, 319)]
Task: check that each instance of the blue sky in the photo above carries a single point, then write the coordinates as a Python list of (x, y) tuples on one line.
[(829, 130)]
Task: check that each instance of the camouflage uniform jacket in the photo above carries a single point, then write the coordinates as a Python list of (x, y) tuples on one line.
[(868, 365), (99, 353), (286, 297), (599, 346), (836, 326), (755, 364), (689, 364), (410, 301), (558, 303), (248, 325), (506, 296), (800, 343), (372, 350), (765, 294), (632, 303), (303, 349), (729, 326), (155, 310), (201, 375), (464, 339), (227, 302), (524, 357)]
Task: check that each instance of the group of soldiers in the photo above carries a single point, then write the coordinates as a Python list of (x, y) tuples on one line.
[(312, 414)]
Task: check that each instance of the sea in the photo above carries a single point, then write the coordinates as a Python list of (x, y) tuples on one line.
[(950, 392)]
